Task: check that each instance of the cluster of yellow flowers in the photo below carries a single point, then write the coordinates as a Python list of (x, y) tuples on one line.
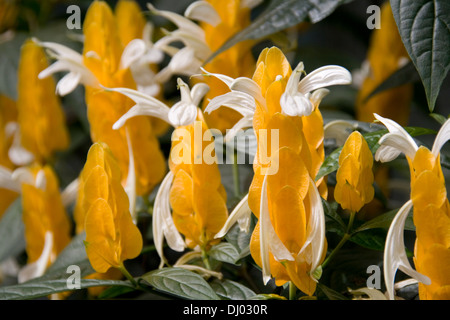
[(120, 71)]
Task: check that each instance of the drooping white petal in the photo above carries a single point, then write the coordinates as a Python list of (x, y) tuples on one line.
[(269, 240), (40, 181), (37, 268), (69, 194), (58, 50), (324, 77), (180, 21), (203, 11), (134, 50), (163, 225), (184, 62), (441, 138), (394, 252), (338, 130), (7, 181), (238, 101), (409, 147), (198, 92), (130, 186), (315, 242), (386, 154), (18, 154), (250, 3), (396, 141), (248, 86), (373, 294), (23, 175), (241, 211), (225, 79), (293, 81), (145, 105), (68, 83), (243, 123)]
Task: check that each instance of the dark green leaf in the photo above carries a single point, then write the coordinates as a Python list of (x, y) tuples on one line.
[(330, 293), (334, 220), (404, 75), (371, 239), (232, 290), (384, 221), (424, 26), (12, 231), (224, 252), (279, 15), (181, 283), (33, 290)]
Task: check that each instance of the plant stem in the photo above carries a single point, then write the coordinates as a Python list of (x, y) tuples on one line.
[(127, 274), (344, 239), (292, 290), (205, 259)]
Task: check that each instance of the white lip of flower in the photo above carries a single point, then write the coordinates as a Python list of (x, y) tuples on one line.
[(163, 225), (12, 180), (182, 113), (295, 101), (67, 60), (137, 56), (37, 268), (17, 153), (130, 185), (240, 214), (394, 252), (391, 145), (242, 98)]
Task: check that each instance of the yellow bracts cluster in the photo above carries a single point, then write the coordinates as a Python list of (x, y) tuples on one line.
[(41, 118), (386, 55), (432, 220), (197, 196), (111, 235), (101, 55), (288, 190), (235, 62), (354, 177), (43, 212)]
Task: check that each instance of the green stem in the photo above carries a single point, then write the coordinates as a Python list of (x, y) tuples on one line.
[(292, 290), (344, 239), (127, 275), (237, 191), (205, 259)]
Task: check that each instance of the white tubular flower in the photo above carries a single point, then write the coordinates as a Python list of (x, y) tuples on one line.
[(69, 194), (130, 186), (163, 225), (394, 252), (242, 98), (138, 55), (67, 60), (16, 152), (182, 113), (183, 62), (7, 180), (295, 101), (202, 11), (394, 142), (241, 214), (37, 268)]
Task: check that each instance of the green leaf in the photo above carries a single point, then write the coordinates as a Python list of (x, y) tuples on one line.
[(404, 75), (12, 231), (33, 290), (279, 15), (334, 220), (224, 252), (371, 239), (330, 293), (384, 221), (232, 290), (181, 283), (424, 26)]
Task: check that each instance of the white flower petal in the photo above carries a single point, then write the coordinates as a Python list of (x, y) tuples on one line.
[(225, 79), (250, 3), (269, 240), (130, 186), (241, 211), (315, 242), (163, 225), (324, 77), (180, 21), (243, 123), (293, 82), (238, 101), (37, 268), (68, 83), (134, 50), (7, 181), (203, 11), (40, 181), (338, 130), (296, 105), (248, 86), (396, 141), (58, 50), (69, 194), (386, 154), (18, 154), (23, 175), (394, 252), (198, 92), (182, 114), (441, 138)]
